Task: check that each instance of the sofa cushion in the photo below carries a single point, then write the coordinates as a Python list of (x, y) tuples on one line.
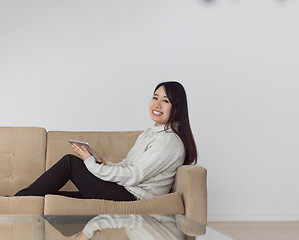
[(113, 146), (22, 205), (22, 157), (167, 204)]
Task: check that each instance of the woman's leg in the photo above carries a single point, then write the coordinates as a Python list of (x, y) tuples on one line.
[(50, 181), (73, 168)]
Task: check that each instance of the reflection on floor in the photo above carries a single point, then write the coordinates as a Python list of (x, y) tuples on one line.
[(288, 230)]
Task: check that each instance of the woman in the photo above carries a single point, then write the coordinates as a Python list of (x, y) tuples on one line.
[(148, 169)]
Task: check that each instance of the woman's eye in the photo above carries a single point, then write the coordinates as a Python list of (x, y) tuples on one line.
[(166, 101), (155, 98)]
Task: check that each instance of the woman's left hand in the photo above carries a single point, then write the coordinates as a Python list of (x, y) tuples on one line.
[(81, 151), (81, 236)]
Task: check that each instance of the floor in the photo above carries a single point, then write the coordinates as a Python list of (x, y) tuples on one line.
[(288, 230)]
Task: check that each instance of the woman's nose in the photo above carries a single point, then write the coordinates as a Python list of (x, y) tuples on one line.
[(158, 105)]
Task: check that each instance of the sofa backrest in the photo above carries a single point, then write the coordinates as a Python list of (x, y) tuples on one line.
[(22, 157), (113, 146)]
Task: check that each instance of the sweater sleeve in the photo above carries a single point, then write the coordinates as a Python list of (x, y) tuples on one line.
[(122, 163), (158, 157)]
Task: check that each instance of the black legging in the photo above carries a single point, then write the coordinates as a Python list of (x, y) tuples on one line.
[(73, 168)]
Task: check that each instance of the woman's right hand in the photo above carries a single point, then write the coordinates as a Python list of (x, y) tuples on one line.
[(81, 151), (100, 157)]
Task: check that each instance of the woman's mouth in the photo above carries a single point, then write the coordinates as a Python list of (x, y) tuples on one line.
[(157, 113)]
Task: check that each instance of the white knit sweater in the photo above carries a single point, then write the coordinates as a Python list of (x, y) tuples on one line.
[(149, 168)]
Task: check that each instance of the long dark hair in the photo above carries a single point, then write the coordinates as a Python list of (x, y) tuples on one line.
[(179, 115)]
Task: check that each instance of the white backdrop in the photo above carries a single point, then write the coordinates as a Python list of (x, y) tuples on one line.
[(93, 64)]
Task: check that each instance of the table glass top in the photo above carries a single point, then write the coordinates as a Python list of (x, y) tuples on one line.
[(124, 227)]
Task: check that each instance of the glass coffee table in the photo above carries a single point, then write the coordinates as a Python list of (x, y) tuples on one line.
[(112, 227)]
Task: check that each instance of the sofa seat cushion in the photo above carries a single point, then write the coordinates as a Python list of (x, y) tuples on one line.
[(171, 203), (22, 205)]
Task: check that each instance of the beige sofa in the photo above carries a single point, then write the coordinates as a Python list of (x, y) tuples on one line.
[(26, 152)]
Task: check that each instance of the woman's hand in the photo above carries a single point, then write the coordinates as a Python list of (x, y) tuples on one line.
[(81, 151), (81, 236), (100, 157), (84, 153)]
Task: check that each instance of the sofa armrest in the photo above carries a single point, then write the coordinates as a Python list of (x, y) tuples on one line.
[(191, 183)]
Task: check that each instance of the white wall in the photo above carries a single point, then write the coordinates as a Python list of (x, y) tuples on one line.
[(92, 65)]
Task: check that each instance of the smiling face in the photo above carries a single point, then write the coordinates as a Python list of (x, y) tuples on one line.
[(160, 107)]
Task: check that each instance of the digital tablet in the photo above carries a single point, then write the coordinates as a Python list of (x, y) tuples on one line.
[(89, 148)]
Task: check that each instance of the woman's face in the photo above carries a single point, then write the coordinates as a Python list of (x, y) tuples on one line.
[(160, 107)]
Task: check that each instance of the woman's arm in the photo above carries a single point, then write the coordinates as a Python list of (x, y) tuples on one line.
[(165, 153)]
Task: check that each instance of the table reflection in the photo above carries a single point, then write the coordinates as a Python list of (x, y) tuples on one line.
[(163, 227)]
